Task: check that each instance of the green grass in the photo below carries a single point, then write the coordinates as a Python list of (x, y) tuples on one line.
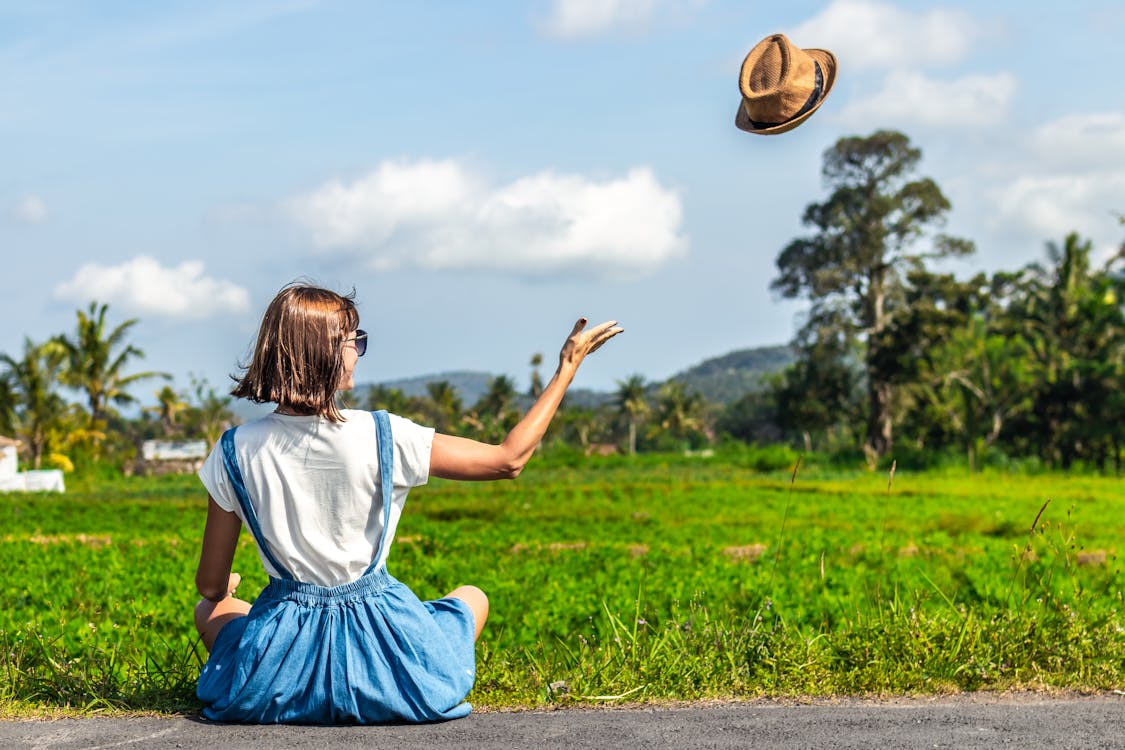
[(617, 580)]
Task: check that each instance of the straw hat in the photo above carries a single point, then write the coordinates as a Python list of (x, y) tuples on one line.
[(782, 85)]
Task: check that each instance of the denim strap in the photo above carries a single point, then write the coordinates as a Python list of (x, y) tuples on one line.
[(230, 461), (386, 448)]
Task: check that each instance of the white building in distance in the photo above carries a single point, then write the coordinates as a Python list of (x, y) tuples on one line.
[(14, 480)]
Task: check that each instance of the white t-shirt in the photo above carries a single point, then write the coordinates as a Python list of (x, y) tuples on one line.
[(314, 486)]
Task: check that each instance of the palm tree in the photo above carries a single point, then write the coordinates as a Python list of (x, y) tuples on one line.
[(169, 405), (209, 413), (37, 408), (492, 416), (96, 359), (536, 386), (384, 397), (501, 392), (1074, 325), (679, 411), (446, 404), (632, 405)]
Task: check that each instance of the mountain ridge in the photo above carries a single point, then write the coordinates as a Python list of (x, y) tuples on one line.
[(720, 379)]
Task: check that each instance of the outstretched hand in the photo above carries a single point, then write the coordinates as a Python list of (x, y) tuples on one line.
[(582, 342)]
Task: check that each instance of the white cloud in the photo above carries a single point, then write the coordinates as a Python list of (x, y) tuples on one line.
[(1052, 206), (1095, 140), (912, 98), (144, 286), (32, 210), (576, 19), (438, 215), (871, 34), (1070, 178)]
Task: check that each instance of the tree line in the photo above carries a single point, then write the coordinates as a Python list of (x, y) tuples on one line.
[(92, 363), (894, 357)]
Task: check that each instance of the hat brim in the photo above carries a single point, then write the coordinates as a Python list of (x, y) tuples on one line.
[(828, 64)]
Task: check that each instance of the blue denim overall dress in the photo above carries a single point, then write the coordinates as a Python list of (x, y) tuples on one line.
[(365, 652)]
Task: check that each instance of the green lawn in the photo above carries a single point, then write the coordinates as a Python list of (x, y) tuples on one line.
[(654, 578)]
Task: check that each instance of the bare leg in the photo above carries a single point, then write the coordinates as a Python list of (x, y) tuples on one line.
[(210, 617), (477, 602)]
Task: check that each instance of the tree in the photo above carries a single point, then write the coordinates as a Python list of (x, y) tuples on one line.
[(493, 415), (1071, 317), (852, 267), (965, 370), (632, 405), (7, 404), (445, 405), (679, 412), (498, 398), (37, 407), (393, 400), (819, 394), (536, 386), (208, 414), (96, 359), (169, 405), (579, 423), (752, 418)]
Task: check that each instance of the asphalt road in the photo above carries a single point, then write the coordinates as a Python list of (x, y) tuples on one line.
[(970, 721)]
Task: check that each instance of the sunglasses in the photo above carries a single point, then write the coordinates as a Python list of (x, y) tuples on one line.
[(360, 340)]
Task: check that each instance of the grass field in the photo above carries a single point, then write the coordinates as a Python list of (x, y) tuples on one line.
[(616, 579)]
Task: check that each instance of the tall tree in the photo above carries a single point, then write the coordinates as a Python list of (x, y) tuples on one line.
[(852, 267), (96, 359), (632, 405), (38, 408)]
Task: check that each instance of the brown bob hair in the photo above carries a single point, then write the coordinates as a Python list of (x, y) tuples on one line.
[(298, 357)]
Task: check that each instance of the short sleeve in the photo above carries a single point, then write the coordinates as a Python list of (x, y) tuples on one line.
[(413, 443), (213, 475)]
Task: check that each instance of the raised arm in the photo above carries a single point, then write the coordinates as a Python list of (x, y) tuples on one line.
[(461, 458)]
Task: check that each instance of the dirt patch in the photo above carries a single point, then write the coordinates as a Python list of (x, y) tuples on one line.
[(747, 552)]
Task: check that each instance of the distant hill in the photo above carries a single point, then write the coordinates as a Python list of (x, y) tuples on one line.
[(720, 380), (729, 377), (471, 385)]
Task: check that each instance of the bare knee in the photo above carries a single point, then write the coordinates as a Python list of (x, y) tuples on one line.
[(210, 617), (477, 601), (203, 610)]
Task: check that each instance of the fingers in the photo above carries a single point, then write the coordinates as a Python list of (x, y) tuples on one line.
[(600, 334), (232, 582), (610, 333), (582, 342), (598, 329)]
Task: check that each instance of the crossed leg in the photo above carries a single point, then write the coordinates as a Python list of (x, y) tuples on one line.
[(210, 617)]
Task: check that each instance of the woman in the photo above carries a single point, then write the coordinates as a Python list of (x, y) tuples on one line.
[(334, 638)]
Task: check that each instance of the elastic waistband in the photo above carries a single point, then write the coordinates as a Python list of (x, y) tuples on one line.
[(311, 593)]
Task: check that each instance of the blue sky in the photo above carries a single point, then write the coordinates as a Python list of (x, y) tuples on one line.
[(483, 174)]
